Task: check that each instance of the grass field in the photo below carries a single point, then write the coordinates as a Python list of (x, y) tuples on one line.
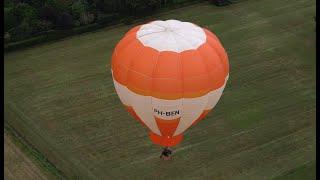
[(17, 165), (60, 97), (23, 161)]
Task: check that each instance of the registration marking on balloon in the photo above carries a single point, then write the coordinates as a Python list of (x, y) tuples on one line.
[(169, 75), (166, 113)]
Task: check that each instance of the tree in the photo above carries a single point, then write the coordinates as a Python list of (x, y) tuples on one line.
[(49, 13), (141, 7), (221, 2), (43, 25), (65, 21), (22, 31), (34, 3), (106, 6), (80, 10), (60, 5), (54, 11), (24, 11), (10, 20), (79, 7), (7, 37)]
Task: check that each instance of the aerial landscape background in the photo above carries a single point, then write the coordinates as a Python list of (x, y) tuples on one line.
[(62, 111)]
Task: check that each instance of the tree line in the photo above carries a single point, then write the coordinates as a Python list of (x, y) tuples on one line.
[(28, 18)]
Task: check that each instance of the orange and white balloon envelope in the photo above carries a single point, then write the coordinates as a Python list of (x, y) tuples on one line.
[(169, 75)]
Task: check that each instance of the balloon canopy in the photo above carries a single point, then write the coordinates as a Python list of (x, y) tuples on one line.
[(169, 75)]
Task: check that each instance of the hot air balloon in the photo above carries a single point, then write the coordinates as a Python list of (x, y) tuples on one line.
[(169, 75)]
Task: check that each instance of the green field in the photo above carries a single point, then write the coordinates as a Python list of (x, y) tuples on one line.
[(17, 165), (60, 97)]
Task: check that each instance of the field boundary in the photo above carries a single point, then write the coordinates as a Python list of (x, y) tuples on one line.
[(35, 155), (56, 35), (307, 165)]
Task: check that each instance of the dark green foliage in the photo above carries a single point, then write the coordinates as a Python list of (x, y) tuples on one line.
[(221, 2), (106, 19), (79, 7), (128, 20), (29, 18), (43, 26), (141, 7), (22, 31), (65, 21), (106, 6), (86, 18), (24, 11), (49, 36), (7, 37), (59, 5), (49, 13), (10, 20), (46, 30)]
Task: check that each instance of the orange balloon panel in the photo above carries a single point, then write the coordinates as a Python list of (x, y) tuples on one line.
[(169, 75)]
